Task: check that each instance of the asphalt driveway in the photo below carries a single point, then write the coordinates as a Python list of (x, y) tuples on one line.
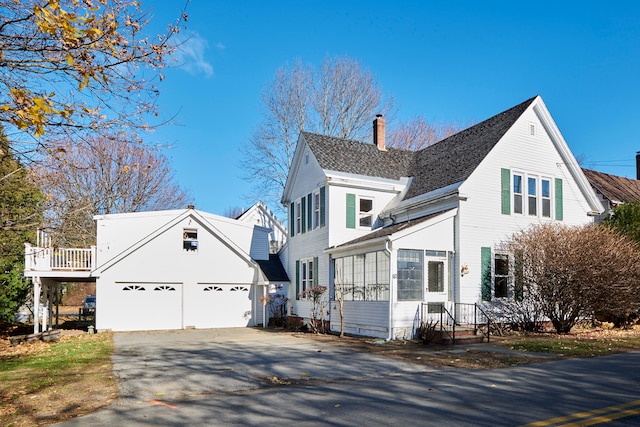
[(157, 369), (171, 365)]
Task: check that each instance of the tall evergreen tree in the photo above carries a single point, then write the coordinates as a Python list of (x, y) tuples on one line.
[(20, 215)]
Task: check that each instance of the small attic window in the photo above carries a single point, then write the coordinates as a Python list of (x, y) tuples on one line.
[(190, 239), (306, 159), (532, 129)]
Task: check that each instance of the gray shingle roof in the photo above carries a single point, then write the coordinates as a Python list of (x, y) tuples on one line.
[(453, 159), (345, 155), (447, 162)]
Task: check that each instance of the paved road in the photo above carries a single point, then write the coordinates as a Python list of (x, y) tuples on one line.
[(253, 377)]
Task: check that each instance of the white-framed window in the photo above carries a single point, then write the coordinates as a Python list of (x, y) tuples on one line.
[(298, 217), (545, 197), (365, 210), (501, 275), (306, 275), (316, 210), (190, 239), (532, 196), (517, 193)]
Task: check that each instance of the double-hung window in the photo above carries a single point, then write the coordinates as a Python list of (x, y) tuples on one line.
[(298, 218), (517, 194), (366, 212), (190, 239), (316, 210), (359, 211), (305, 275), (501, 276), (545, 194), (532, 195)]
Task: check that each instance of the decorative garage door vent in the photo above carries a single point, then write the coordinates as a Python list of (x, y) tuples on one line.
[(212, 288), (133, 288)]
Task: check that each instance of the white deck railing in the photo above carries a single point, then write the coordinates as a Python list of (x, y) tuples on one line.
[(59, 259)]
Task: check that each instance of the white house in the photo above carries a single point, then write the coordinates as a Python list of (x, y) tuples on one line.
[(169, 269), (403, 233)]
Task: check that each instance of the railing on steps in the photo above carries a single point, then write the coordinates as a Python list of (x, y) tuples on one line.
[(473, 316), (458, 315)]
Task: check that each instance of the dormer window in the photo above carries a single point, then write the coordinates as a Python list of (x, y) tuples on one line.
[(190, 239), (366, 212)]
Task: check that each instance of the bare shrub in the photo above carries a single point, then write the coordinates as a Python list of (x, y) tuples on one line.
[(319, 308), (576, 272)]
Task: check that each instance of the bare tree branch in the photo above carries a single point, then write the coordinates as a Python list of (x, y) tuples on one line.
[(103, 176)]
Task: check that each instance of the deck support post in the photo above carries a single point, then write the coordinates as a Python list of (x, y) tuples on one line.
[(36, 304)]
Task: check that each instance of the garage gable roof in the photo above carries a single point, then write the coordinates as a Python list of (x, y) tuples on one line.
[(187, 213)]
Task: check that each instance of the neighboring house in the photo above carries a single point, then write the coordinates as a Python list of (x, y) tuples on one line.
[(260, 215), (613, 190), (170, 269), (400, 233)]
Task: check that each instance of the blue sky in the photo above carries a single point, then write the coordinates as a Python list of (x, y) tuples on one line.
[(447, 61)]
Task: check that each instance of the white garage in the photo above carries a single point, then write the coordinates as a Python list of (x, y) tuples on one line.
[(147, 306), (217, 305), (157, 306), (178, 269)]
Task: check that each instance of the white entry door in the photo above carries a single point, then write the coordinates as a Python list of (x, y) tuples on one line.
[(436, 287)]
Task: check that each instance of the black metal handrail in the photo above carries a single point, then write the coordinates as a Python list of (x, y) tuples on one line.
[(464, 315)]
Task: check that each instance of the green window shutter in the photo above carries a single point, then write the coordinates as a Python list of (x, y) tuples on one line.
[(559, 209), (292, 219), (506, 191), (351, 211), (485, 273), (310, 211), (315, 271), (303, 217), (298, 279), (322, 202)]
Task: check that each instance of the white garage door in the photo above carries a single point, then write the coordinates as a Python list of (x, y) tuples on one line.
[(147, 306), (217, 306)]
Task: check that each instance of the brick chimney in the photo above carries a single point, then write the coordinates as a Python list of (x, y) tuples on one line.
[(379, 133)]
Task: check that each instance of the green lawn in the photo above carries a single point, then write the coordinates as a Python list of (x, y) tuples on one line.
[(576, 346), (39, 383)]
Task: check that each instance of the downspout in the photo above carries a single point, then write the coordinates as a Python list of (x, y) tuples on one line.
[(259, 282), (387, 249)]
